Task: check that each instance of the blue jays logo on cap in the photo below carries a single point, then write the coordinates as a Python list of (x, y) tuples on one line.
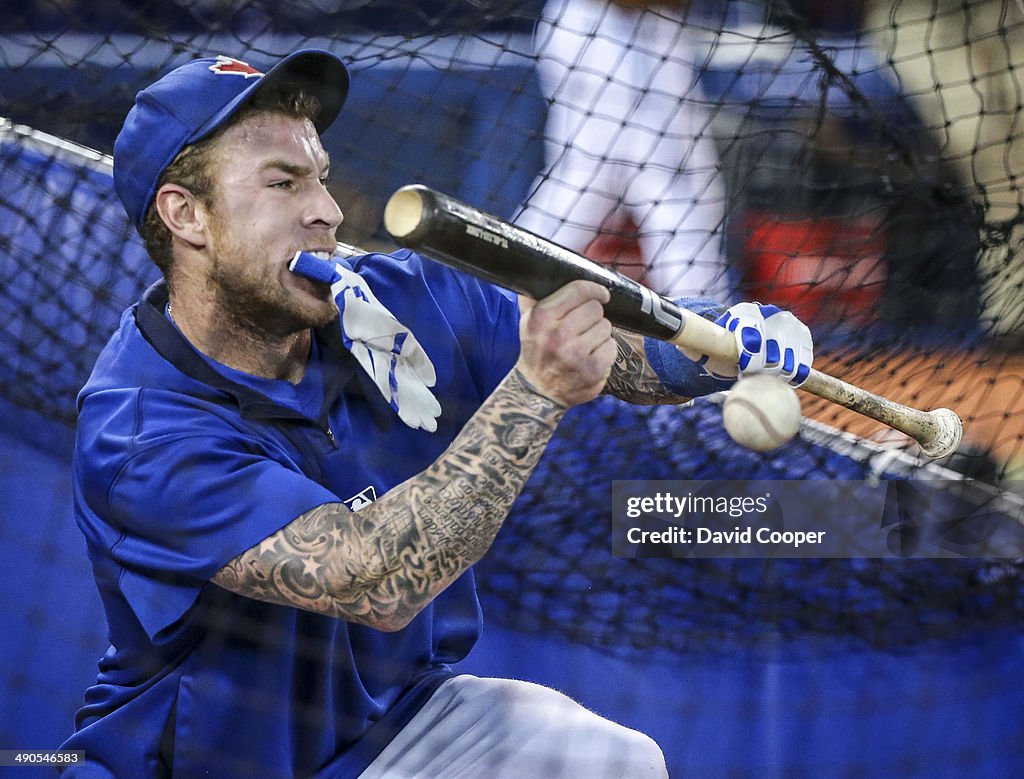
[(195, 99), (232, 67)]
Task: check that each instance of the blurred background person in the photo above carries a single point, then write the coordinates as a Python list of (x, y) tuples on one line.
[(627, 144)]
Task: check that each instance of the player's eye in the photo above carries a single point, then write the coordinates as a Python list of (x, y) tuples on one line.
[(282, 184)]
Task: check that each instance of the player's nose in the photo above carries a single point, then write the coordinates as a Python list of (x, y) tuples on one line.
[(323, 210)]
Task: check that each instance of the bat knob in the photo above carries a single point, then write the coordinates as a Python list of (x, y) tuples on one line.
[(949, 430)]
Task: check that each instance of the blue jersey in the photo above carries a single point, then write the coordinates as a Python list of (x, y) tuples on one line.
[(181, 465)]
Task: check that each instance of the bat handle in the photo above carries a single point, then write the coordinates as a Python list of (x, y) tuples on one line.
[(938, 431), (702, 336)]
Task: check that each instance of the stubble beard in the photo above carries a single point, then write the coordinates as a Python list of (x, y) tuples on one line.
[(261, 304)]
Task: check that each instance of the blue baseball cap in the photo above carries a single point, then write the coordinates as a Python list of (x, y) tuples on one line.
[(193, 100)]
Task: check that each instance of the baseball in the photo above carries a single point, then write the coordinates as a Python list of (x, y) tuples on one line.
[(761, 412)]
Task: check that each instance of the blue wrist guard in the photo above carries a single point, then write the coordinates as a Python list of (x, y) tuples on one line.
[(678, 373)]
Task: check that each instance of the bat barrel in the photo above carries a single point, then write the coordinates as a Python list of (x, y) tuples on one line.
[(485, 246)]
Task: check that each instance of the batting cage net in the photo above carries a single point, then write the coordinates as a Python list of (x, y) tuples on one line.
[(857, 162)]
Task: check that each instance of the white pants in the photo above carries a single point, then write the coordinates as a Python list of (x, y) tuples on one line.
[(475, 728), (627, 134)]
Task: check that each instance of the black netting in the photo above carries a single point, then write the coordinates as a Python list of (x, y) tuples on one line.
[(858, 162)]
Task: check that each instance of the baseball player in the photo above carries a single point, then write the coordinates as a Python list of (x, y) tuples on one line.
[(627, 135), (287, 464)]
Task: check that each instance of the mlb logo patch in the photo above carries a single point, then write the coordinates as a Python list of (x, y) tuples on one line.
[(361, 499)]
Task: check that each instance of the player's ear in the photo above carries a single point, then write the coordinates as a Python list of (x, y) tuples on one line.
[(183, 213)]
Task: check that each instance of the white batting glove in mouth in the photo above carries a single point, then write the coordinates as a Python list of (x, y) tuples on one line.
[(385, 348)]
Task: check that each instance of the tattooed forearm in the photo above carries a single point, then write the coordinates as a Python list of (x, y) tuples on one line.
[(632, 378), (382, 565)]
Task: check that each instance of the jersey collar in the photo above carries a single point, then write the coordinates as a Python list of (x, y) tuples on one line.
[(341, 370)]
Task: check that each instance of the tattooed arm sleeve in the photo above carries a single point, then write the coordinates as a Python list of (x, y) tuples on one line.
[(381, 565), (632, 378)]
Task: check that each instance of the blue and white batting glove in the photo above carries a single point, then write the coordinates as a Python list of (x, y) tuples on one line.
[(770, 341), (384, 347)]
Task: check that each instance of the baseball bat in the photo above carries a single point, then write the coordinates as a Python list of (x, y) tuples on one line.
[(486, 246)]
